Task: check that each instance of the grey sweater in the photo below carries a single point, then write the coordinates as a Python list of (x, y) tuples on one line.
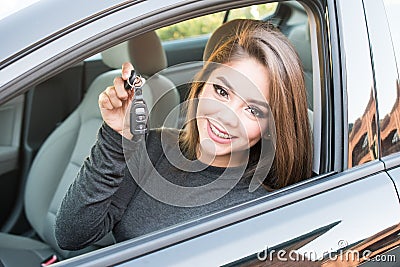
[(105, 197)]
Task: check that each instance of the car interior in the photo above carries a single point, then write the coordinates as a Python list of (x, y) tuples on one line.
[(43, 149)]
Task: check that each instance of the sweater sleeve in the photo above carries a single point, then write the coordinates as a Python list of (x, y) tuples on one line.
[(99, 195)]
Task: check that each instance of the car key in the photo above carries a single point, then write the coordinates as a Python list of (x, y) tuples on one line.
[(139, 111)]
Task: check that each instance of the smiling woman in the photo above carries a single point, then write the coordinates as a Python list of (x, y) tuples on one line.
[(228, 138), (233, 122), (265, 57), (201, 190)]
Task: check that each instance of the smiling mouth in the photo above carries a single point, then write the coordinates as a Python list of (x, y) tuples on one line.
[(219, 133)]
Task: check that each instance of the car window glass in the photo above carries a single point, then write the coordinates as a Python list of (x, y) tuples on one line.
[(384, 39), (298, 36), (86, 81), (192, 27), (390, 135), (253, 12), (362, 131), (392, 12), (207, 24), (361, 101)]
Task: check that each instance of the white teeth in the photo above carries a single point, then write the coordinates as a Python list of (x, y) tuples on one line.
[(218, 133)]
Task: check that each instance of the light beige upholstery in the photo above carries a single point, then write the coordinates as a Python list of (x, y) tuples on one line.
[(59, 159), (159, 92)]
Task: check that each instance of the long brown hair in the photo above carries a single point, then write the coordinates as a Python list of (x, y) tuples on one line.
[(287, 100)]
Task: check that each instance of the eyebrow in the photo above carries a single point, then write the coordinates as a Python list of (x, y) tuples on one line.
[(254, 101)]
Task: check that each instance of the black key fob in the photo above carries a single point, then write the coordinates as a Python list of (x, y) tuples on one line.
[(129, 84), (139, 112)]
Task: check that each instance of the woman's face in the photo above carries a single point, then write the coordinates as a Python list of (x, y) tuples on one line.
[(232, 112)]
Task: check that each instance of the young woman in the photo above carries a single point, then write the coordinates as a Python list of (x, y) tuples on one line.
[(229, 142)]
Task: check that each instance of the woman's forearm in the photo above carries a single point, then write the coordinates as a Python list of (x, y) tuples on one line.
[(99, 195)]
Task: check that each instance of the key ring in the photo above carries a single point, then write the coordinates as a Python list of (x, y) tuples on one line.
[(139, 111), (134, 81)]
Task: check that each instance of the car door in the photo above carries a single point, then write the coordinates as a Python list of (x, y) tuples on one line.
[(385, 48), (10, 135), (337, 217), (325, 217), (383, 24), (11, 121), (342, 206)]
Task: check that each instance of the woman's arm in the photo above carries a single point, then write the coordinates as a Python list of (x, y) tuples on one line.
[(98, 197)]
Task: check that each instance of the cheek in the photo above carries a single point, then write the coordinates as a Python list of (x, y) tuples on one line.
[(208, 106), (253, 130)]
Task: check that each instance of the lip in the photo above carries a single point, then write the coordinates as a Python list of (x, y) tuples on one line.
[(216, 138)]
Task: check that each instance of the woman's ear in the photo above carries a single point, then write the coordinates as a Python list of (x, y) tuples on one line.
[(267, 135)]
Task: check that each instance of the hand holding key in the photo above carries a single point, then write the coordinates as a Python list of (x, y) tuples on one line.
[(139, 112), (115, 102)]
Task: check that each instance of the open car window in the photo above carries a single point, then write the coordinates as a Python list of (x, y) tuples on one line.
[(86, 80), (59, 111)]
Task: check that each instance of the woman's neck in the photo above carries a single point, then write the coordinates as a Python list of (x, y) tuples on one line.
[(224, 161)]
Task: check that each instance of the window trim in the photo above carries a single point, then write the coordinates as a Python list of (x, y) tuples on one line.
[(177, 234), (384, 65)]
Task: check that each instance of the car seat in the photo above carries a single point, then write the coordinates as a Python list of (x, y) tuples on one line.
[(59, 159)]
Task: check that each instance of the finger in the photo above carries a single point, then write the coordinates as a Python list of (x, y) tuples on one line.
[(126, 70), (122, 93), (131, 95), (104, 101), (113, 97)]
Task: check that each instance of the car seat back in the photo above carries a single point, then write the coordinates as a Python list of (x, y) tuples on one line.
[(61, 156)]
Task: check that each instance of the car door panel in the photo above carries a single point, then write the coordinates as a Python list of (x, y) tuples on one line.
[(386, 81), (395, 175), (359, 210), (317, 216), (343, 209), (10, 133)]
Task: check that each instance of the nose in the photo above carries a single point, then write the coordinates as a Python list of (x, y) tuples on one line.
[(229, 115)]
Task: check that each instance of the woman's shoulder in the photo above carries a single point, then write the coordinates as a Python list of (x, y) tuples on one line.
[(165, 130), (160, 139), (163, 135), (158, 133)]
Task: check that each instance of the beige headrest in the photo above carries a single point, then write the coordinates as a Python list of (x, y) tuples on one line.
[(147, 54), (115, 56), (144, 51), (299, 37), (219, 36)]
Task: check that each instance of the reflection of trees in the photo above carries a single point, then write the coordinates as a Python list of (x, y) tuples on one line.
[(390, 126), (362, 138)]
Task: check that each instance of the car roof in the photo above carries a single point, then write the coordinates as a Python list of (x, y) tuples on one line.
[(46, 18)]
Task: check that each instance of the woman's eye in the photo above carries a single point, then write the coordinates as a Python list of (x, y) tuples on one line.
[(221, 91), (255, 112)]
